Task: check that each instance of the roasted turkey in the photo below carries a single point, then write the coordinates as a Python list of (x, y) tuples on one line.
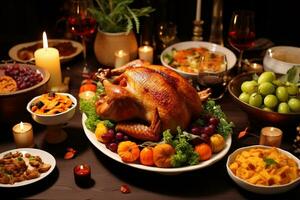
[(145, 99)]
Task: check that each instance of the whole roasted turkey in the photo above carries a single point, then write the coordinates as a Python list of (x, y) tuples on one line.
[(146, 99)]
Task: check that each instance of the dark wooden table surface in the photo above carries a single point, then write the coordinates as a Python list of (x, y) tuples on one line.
[(108, 175)]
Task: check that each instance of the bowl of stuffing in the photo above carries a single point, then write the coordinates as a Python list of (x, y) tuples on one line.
[(263, 169), (18, 84), (193, 57)]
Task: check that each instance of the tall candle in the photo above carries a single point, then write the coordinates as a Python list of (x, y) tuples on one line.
[(198, 10), (146, 53), (23, 135), (48, 58)]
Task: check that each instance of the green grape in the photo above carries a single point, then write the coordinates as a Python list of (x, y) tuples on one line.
[(282, 94), (283, 107), (278, 82), (266, 88), (270, 101), (292, 89), (249, 86), (266, 77), (255, 99), (244, 97), (267, 109), (294, 104)]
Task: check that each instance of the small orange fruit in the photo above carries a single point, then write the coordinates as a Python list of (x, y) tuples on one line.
[(204, 151), (128, 151), (146, 156), (101, 129), (162, 155)]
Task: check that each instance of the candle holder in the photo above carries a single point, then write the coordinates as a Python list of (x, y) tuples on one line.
[(197, 31), (270, 136), (23, 135), (82, 175)]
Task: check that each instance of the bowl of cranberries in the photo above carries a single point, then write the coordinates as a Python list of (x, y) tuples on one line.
[(19, 83)]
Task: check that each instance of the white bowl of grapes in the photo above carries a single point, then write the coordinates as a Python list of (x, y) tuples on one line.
[(268, 97)]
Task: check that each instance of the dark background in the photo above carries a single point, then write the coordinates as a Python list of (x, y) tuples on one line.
[(24, 21)]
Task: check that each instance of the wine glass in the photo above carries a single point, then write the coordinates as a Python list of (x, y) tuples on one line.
[(167, 33), (82, 24), (241, 34)]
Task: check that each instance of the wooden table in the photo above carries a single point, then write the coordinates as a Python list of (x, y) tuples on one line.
[(108, 175)]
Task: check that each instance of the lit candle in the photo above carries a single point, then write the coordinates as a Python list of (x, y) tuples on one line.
[(146, 53), (23, 135), (82, 174), (270, 136), (48, 58), (121, 58), (198, 10)]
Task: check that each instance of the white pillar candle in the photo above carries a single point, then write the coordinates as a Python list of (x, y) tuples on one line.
[(121, 58), (146, 53), (198, 10), (48, 58), (23, 135)]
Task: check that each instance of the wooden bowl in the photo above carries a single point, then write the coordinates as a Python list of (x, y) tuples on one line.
[(257, 114), (13, 104)]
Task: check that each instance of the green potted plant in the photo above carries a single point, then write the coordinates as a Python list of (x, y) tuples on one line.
[(116, 21)]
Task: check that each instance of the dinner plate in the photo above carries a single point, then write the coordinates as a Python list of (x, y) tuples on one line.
[(13, 52), (46, 158), (230, 56), (167, 171)]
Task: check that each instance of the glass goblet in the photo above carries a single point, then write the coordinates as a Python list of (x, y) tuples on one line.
[(81, 24), (167, 33), (241, 35)]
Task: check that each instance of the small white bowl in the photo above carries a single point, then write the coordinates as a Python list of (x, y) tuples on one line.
[(280, 59), (230, 56), (55, 119), (259, 188)]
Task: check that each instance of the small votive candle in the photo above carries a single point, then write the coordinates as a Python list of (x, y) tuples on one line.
[(23, 135), (270, 136), (82, 174), (121, 58), (146, 53)]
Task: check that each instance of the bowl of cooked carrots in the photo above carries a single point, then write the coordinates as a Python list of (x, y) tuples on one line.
[(52, 108), (263, 169)]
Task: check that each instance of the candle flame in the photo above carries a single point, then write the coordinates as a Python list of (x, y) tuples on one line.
[(45, 41), (21, 125)]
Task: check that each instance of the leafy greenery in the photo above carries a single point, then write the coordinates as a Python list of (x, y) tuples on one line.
[(88, 107), (224, 128), (116, 15), (270, 161), (185, 154), (292, 75)]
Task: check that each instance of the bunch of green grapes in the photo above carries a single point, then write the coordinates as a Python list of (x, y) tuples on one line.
[(271, 94)]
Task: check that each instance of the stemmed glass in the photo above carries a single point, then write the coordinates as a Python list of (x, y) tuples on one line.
[(82, 24), (167, 33), (241, 34)]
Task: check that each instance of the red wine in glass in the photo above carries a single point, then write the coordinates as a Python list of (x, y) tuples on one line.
[(241, 41), (241, 35), (82, 26)]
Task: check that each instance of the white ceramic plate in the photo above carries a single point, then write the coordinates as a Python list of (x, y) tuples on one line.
[(168, 171), (259, 188), (46, 158), (13, 52), (230, 56)]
